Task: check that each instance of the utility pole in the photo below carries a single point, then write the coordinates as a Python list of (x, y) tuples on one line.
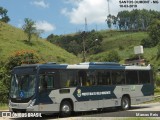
[(108, 8), (84, 47), (109, 17), (83, 37), (86, 26)]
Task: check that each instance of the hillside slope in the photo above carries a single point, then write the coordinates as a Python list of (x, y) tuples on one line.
[(13, 39), (123, 43)]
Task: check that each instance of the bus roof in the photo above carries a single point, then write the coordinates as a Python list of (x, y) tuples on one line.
[(87, 65)]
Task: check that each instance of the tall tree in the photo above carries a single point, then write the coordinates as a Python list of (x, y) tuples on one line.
[(109, 21), (124, 19), (29, 28), (136, 19), (3, 15)]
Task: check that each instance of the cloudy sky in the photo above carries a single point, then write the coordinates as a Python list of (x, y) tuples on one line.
[(66, 16)]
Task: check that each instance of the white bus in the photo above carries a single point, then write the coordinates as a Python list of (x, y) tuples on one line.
[(89, 86)]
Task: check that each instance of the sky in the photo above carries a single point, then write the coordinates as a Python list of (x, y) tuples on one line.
[(61, 17)]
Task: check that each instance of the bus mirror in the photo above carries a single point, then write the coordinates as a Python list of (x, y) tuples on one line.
[(40, 89)]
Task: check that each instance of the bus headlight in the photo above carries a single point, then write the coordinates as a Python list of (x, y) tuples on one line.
[(32, 103)]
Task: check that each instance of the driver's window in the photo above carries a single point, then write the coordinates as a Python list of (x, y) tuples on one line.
[(43, 83)]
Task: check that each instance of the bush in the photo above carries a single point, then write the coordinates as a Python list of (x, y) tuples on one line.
[(158, 52), (4, 83), (22, 57), (121, 47), (113, 56), (147, 42), (157, 80), (3, 93), (95, 50)]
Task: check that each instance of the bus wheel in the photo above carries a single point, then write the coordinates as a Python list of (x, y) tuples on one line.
[(125, 103), (65, 109)]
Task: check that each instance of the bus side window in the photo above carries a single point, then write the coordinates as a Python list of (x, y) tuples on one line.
[(144, 77), (91, 78), (108, 78), (114, 76), (43, 83), (99, 78), (68, 78), (83, 78), (103, 77), (118, 77), (50, 81), (131, 77)]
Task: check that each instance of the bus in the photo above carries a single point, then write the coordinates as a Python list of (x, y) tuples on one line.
[(88, 86)]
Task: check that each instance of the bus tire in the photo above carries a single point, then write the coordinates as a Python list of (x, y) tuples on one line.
[(125, 103), (65, 109)]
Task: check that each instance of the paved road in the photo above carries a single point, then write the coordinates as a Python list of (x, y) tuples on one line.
[(142, 110)]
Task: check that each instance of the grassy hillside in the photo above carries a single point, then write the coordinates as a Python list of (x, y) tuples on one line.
[(116, 39), (123, 43), (13, 39)]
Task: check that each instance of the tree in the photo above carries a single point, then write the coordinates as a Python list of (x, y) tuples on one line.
[(74, 43), (123, 19), (4, 83), (147, 42), (3, 15), (109, 21), (154, 31), (29, 28), (136, 19), (158, 52)]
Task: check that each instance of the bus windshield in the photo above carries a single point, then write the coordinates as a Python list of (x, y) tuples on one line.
[(22, 86)]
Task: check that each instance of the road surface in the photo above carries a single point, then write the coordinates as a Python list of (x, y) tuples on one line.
[(151, 110)]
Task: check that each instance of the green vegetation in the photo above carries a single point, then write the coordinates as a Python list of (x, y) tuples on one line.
[(13, 40), (157, 91), (3, 15), (29, 28), (133, 20), (154, 32), (123, 43), (3, 106), (117, 39), (16, 50), (90, 42)]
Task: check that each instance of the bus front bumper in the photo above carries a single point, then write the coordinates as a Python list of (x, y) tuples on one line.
[(23, 107)]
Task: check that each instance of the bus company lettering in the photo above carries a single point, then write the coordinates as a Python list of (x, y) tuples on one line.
[(93, 93)]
